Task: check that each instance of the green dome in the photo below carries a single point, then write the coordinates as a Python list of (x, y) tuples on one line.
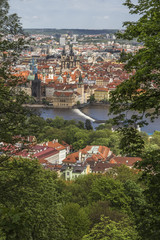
[(31, 77)]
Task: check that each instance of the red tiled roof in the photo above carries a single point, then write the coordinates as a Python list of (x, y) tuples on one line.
[(46, 153), (102, 89), (55, 145), (129, 161), (72, 158), (65, 94), (102, 166)]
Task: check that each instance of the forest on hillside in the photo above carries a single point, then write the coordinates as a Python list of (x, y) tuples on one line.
[(52, 31)]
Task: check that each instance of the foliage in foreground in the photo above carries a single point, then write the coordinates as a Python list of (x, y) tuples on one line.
[(140, 94), (107, 229), (29, 206)]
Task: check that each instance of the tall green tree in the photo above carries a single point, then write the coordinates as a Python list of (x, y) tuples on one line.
[(149, 217), (131, 143), (88, 124), (76, 221), (111, 190), (141, 91), (12, 113)]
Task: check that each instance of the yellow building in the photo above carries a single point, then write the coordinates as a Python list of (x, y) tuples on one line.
[(101, 93), (65, 99), (99, 82)]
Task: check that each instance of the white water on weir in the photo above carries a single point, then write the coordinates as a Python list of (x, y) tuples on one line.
[(77, 111)]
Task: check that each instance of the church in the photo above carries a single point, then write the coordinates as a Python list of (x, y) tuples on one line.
[(69, 61)]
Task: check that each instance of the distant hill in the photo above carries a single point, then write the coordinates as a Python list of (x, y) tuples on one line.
[(51, 31)]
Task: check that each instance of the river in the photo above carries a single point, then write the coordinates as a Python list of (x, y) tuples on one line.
[(92, 113)]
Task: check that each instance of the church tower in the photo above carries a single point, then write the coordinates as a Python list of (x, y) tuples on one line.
[(50, 76), (70, 60), (80, 89), (36, 88), (63, 58)]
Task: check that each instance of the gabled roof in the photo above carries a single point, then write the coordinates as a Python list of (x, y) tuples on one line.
[(129, 161), (55, 145), (92, 154), (102, 166), (101, 89), (63, 94), (72, 158), (46, 153)]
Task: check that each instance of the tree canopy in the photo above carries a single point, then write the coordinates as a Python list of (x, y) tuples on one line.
[(141, 92), (107, 229), (12, 113)]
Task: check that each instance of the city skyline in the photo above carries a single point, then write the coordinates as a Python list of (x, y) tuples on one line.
[(84, 14)]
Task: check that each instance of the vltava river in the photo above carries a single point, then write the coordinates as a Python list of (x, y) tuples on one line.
[(90, 112)]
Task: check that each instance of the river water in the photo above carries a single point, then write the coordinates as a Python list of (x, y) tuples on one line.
[(92, 113)]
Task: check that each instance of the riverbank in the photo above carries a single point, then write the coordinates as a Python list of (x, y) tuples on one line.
[(98, 114), (37, 106), (80, 106)]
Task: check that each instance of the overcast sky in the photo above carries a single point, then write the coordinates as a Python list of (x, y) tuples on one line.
[(86, 14)]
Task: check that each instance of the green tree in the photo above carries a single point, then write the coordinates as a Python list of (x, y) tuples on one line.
[(76, 221), (138, 202), (140, 93), (102, 208), (105, 133), (29, 206), (82, 138), (155, 138), (92, 98), (35, 125), (70, 122), (149, 217), (58, 122), (70, 134), (79, 190), (101, 141), (80, 124), (108, 189), (88, 124), (49, 133), (107, 229), (131, 143), (124, 173), (12, 113)]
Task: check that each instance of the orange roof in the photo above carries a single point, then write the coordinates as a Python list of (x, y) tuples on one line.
[(102, 89), (55, 145), (104, 151), (72, 158), (65, 94), (86, 149), (129, 161)]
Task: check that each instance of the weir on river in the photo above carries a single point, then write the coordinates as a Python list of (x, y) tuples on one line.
[(96, 114)]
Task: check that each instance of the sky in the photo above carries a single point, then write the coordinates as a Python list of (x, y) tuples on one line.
[(79, 14)]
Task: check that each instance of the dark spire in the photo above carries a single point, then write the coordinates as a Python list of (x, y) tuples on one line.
[(36, 77), (71, 51), (80, 78), (63, 52)]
